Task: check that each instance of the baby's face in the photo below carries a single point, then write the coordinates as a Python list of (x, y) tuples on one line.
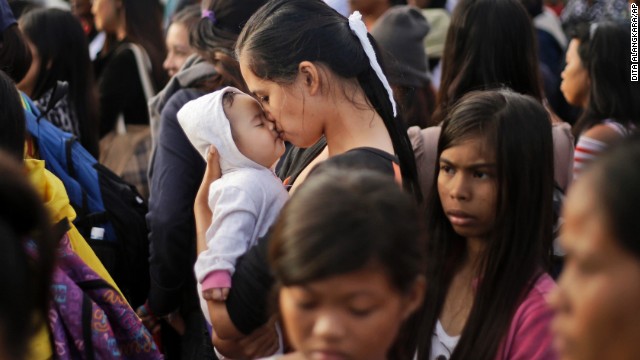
[(254, 135)]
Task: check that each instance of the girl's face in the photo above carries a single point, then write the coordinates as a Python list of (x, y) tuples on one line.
[(467, 187), (597, 298), (285, 106), (178, 48), (575, 78), (352, 316), (105, 14), (28, 82)]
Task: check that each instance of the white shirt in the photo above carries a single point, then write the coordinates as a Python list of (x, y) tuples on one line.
[(442, 345)]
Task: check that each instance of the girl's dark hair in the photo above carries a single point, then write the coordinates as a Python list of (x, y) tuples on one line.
[(26, 277), (143, 20), (616, 177), (64, 56), (490, 44), (341, 220), (12, 121), (15, 55), (517, 129), (416, 104), (284, 33), (215, 40), (604, 52)]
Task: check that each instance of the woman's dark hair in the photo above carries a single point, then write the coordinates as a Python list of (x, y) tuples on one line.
[(341, 220), (15, 55), (64, 56), (517, 129), (214, 38), (143, 20), (604, 51), (616, 177), (284, 33), (12, 121), (26, 272), (490, 44), (188, 17), (416, 104)]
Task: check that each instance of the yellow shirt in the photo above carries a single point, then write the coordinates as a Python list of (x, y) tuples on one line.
[(55, 198)]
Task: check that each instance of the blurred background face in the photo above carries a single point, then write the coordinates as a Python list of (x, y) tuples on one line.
[(178, 48), (353, 316), (28, 82), (105, 14), (598, 297), (575, 78)]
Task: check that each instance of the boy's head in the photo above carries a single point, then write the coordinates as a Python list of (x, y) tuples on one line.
[(254, 135)]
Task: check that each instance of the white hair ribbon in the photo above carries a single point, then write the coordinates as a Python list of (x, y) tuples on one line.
[(358, 28)]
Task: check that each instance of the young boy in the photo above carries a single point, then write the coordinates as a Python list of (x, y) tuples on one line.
[(246, 200)]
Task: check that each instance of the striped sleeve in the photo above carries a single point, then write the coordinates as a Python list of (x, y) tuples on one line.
[(587, 150)]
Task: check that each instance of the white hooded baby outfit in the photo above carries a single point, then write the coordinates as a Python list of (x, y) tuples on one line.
[(245, 201)]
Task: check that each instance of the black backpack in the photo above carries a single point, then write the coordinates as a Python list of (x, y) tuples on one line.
[(110, 212)]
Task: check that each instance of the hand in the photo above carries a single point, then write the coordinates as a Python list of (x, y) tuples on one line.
[(150, 321), (201, 208), (176, 321), (260, 343), (216, 294)]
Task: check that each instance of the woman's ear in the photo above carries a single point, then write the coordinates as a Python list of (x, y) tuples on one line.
[(310, 75), (414, 297)]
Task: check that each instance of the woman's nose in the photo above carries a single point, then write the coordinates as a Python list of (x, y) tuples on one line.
[(458, 187)]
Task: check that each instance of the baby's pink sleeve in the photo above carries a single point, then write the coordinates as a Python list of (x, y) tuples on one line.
[(216, 280)]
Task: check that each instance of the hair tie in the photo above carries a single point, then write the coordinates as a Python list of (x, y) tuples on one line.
[(209, 14), (358, 28)]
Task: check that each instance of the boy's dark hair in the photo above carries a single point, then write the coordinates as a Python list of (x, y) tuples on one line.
[(12, 121), (490, 44), (284, 33), (342, 219), (517, 129)]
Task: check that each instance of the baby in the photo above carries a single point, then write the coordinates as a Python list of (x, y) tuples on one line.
[(246, 200)]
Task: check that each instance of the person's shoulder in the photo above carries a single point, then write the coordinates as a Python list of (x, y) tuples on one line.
[(178, 100), (362, 158), (604, 132)]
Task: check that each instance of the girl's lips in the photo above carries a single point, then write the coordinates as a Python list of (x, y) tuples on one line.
[(460, 218), (327, 355)]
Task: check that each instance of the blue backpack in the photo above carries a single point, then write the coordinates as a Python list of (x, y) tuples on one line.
[(110, 212)]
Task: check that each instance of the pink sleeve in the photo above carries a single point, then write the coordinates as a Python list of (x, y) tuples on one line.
[(529, 336), (216, 279)]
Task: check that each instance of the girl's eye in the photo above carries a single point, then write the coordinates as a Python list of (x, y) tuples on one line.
[(264, 99), (446, 168), (480, 175), (360, 312), (306, 305)]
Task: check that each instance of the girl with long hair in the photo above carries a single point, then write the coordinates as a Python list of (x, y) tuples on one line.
[(596, 78), (489, 232), (60, 53), (121, 90)]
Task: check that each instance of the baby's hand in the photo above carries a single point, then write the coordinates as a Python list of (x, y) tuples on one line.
[(216, 294)]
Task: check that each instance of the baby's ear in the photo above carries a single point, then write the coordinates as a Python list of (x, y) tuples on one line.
[(310, 76)]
